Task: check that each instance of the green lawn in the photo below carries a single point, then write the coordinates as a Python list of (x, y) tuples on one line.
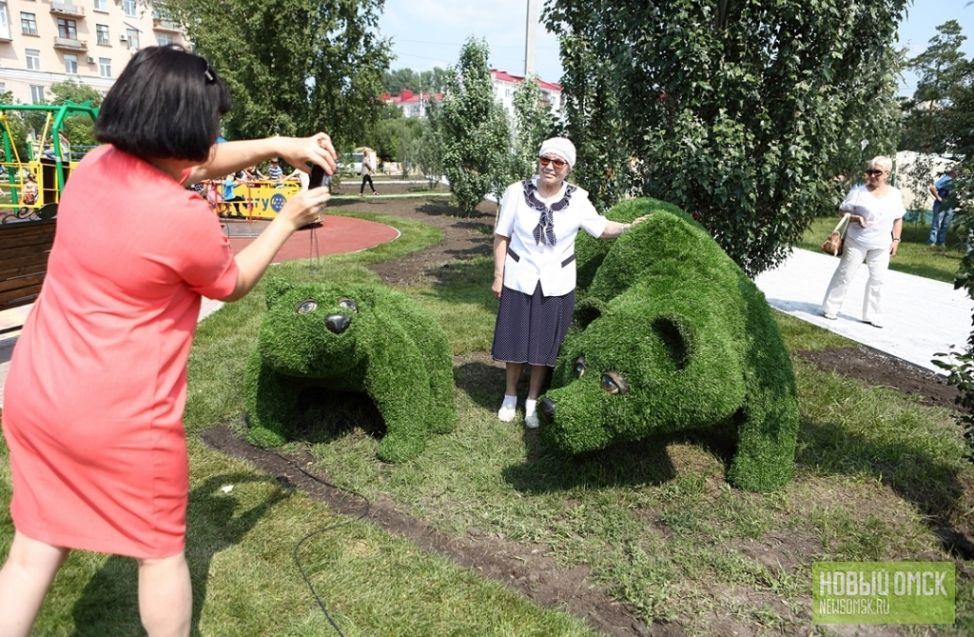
[(653, 524)]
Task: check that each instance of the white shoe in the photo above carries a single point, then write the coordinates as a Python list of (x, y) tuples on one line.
[(506, 414), (830, 316), (876, 323), (531, 420)]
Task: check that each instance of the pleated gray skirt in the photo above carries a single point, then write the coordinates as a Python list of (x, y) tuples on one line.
[(531, 327)]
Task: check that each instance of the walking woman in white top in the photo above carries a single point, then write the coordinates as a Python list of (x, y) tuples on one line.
[(875, 228)]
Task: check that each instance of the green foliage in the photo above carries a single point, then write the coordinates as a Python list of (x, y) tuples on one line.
[(429, 149), (941, 69), (396, 138), (351, 338), (946, 124), (78, 130), (432, 81), (473, 131), (534, 123), (293, 66), (739, 112), (673, 336)]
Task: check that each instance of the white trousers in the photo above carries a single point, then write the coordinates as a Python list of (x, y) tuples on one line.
[(853, 254)]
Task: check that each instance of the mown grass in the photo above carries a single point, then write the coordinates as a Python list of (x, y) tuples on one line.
[(913, 255), (655, 524)]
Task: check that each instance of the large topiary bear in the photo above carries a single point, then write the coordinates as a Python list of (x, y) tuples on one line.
[(351, 338), (671, 335)]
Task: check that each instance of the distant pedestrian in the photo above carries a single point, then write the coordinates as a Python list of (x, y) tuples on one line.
[(874, 234), (943, 209), (368, 169)]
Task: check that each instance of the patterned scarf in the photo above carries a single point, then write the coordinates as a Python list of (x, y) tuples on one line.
[(544, 232)]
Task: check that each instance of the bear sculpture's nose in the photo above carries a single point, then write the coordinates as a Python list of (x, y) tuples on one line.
[(547, 409), (337, 323)]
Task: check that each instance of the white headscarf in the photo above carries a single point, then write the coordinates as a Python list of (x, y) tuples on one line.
[(561, 146)]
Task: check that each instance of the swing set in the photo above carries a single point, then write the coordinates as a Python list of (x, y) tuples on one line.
[(31, 186)]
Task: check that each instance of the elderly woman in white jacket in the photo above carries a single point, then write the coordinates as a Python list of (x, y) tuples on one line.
[(534, 269), (875, 228)]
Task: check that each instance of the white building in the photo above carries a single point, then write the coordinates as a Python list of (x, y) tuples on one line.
[(413, 104), (43, 42), (505, 84)]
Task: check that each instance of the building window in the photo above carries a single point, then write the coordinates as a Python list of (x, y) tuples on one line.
[(71, 64), (102, 33), (28, 23), (101, 5), (128, 8), (133, 35), (165, 40), (33, 59), (67, 29), (105, 67), (4, 21), (36, 94)]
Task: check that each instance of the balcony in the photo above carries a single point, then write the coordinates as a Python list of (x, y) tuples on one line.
[(162, 24), (67, 8), (70, 44)]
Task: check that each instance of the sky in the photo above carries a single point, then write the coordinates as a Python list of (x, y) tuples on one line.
[(430, 33)]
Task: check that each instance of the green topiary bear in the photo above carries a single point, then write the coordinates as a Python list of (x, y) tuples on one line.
[(671, 335), (351, 338)]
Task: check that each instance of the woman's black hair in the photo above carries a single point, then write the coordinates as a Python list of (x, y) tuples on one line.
[(167, 103)]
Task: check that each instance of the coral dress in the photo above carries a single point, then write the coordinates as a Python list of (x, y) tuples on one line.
[(94, 397)]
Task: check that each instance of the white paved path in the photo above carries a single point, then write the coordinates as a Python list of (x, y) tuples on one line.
[(922, 316)]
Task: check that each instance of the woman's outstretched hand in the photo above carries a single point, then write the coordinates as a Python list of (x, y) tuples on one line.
[(305, 207), (301, 151)]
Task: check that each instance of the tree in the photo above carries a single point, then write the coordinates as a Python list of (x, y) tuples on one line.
[(428, 150), (432, 81), (534, 123), (78, 130), (293, 66), (740, 111), (473, 131), (940, 70)]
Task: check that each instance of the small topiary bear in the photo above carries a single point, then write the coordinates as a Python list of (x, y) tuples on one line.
[(351, 338), (671, 335)]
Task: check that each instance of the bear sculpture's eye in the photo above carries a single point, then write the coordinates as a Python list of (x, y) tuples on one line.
[(613, 383), (347, 304), (307, 306), (579, 367)]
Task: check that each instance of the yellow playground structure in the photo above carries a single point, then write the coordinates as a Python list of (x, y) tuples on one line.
[(30, 186), (249, 198)]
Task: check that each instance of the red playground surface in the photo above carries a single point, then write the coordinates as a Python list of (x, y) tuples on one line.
[(335, 235)]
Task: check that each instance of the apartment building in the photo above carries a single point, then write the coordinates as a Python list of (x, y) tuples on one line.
[(43, 42), (505, 84)]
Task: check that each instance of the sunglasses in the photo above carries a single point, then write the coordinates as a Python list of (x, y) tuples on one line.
[(872, 172), (557, 163)]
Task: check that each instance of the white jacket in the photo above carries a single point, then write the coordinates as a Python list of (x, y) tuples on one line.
[(529, 262)]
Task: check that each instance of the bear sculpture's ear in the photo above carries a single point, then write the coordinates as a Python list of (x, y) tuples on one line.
[(276, 288), (675, 338), (587, 311)]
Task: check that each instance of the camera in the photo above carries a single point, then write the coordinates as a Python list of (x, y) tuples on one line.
[(319, 178)]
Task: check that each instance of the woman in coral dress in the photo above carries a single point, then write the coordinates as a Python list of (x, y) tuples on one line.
[(97, 384)]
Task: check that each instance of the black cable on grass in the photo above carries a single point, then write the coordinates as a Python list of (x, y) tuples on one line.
[(315, 254), (329, 527)]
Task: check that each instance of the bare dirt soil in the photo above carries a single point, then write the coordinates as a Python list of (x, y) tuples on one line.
[(522, 567)]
